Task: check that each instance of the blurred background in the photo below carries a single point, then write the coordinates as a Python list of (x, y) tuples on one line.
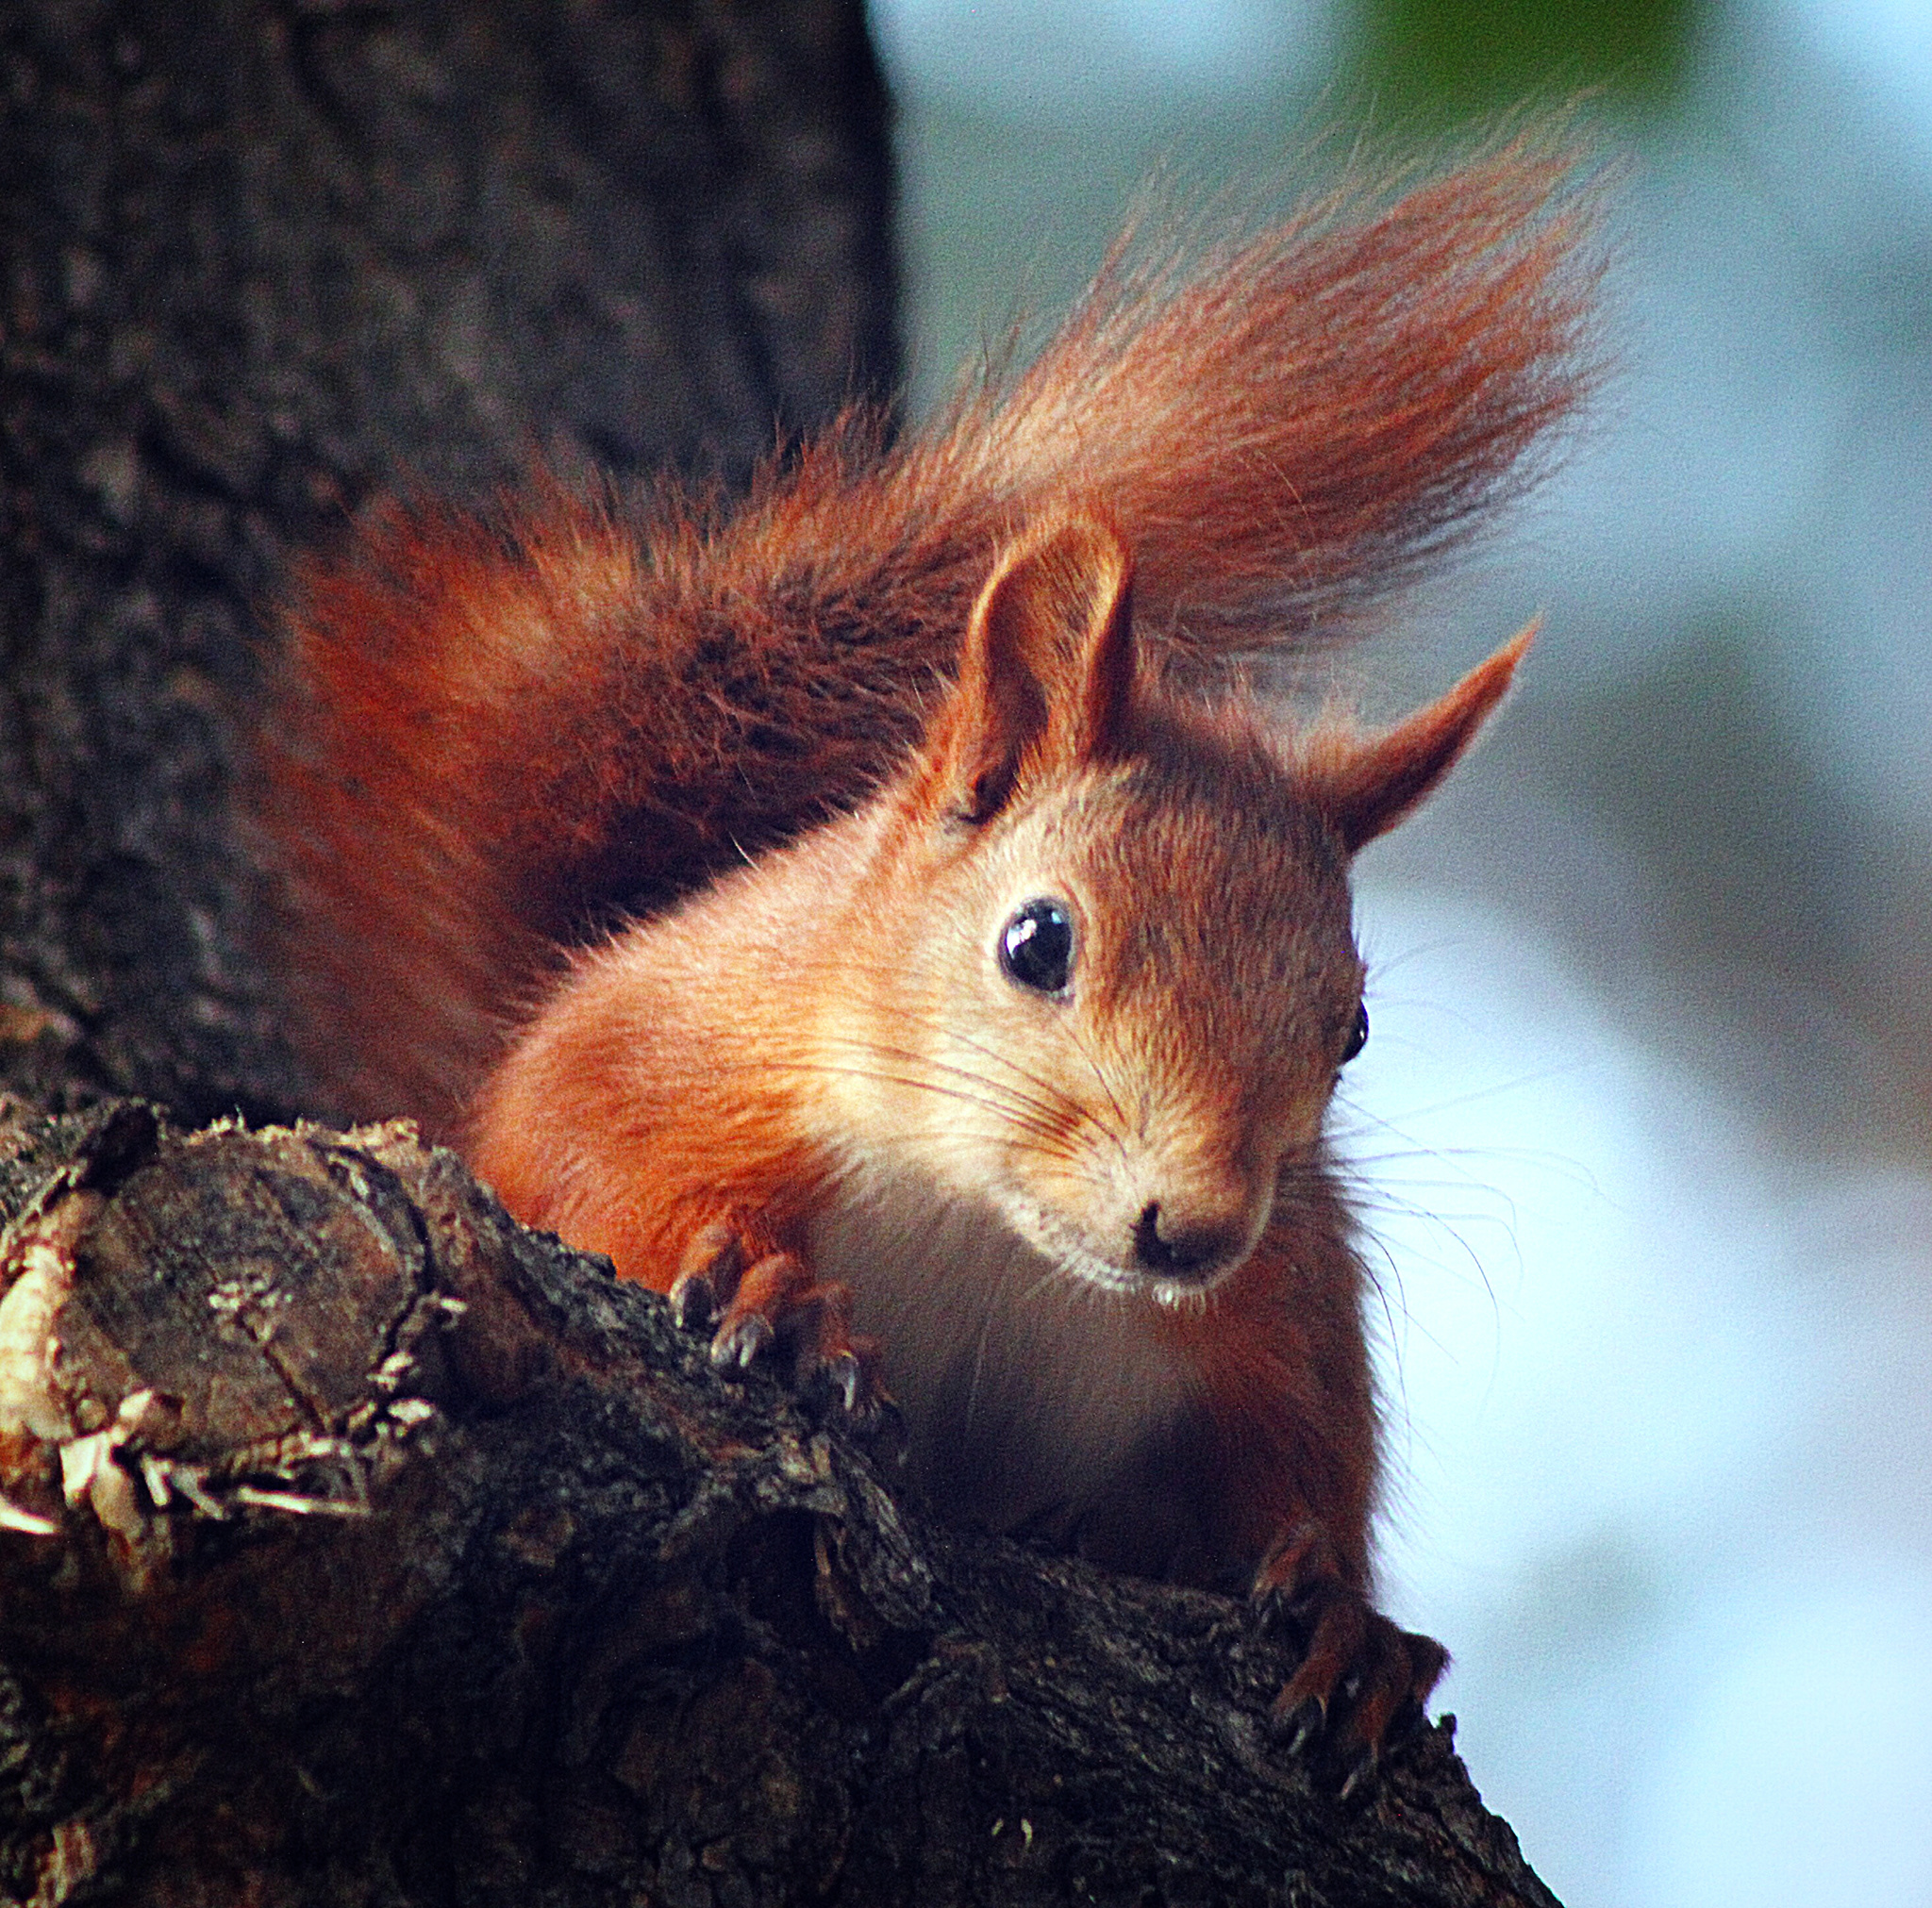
[(1645, 1126)]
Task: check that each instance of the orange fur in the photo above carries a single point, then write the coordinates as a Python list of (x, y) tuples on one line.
[(496, 734), (1090, 1223), (832, 752)]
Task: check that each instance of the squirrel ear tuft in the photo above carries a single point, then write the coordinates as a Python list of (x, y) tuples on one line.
[(1046, 672), (1366, 784)]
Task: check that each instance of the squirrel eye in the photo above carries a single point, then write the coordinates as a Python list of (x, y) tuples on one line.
[(1358, 1034), (1037, 947)]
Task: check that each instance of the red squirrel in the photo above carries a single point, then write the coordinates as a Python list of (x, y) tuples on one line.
[(877, 914)]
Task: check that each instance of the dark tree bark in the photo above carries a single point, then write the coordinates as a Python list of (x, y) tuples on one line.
[(357, 1546), (361, 1545), (263, 259)]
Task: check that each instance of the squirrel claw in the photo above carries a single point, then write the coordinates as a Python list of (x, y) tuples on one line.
[(845, 1378), (1362, 1680), (714, 1257), (770, 1301), (719, 1285), (1408, 1722), (741, 1339), (1360, 1767), (847, 1365), (693, 1302), (1301, 1725)]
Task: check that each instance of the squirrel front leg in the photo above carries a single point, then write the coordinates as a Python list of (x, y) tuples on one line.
[(589, 1127), (729, 1261), (1284, 1365), (747, 1278), (1363, 1679)]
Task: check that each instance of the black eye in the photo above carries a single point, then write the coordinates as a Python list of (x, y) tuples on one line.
[(1037, 947), (1358, 1034)]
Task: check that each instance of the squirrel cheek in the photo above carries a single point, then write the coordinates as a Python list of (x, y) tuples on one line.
[(1297, 1130)]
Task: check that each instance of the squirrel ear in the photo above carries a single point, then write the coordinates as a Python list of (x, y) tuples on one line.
[(1048, 663), (1366, 785)]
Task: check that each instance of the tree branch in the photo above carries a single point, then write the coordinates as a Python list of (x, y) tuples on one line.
[(364, 1546)]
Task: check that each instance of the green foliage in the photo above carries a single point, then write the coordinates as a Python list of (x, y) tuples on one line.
[(1444, 59)]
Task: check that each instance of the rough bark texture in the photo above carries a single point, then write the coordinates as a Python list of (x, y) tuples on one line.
[(263, 260), (364, 1546), (357, 1546)]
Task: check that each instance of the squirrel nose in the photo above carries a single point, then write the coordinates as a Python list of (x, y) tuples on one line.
[(1179, 1247)]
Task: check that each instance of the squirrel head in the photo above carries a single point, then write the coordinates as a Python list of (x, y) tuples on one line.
[(1127, 978)]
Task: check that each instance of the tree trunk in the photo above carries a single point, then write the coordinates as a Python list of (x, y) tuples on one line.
[(356, 1545), (264, 260)]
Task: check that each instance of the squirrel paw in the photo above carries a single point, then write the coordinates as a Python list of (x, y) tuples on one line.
[(1363, 1679), (762, 1304)]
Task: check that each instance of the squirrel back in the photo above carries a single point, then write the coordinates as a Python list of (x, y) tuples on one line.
[(498, 734)]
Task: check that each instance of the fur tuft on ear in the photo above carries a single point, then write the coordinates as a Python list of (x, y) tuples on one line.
[(1365, 784), (1046, 671)]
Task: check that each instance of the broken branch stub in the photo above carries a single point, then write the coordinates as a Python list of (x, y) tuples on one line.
[(359, 1543)]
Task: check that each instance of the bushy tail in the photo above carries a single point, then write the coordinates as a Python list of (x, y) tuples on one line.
[(1291, 428), (494, 736)]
